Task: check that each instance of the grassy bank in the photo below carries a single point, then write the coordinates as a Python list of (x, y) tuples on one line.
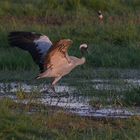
[(113, 43), (18, 124)]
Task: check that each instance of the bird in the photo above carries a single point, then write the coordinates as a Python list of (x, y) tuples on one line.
[(100, 16), (52, 58)]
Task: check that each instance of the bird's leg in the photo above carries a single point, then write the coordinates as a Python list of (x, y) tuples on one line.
[(53, 89), (54, 82)]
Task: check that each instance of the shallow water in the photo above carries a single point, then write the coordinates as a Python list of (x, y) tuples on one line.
[(73, 102), (115, 84), (98, 84)]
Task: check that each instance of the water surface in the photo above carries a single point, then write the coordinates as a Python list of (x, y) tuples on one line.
[(70, 100)]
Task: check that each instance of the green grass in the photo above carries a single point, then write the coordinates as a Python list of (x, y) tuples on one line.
[(16, 124), (132, 97), (113, 98)]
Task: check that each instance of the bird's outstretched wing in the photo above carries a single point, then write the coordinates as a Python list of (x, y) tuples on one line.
[(57, 53), (36, 44)]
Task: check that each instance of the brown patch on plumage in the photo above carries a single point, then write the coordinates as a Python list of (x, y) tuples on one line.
[(57, 52)]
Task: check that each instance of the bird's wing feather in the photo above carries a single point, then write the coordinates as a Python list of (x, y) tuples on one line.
[(36, 44), (57, 53)]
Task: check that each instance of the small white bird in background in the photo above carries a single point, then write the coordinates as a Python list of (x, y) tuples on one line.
[(52, 59)]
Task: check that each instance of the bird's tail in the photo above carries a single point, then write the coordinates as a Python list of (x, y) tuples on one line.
[(42, 75), (38, 77)]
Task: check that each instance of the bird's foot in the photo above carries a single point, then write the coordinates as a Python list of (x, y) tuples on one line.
[(52, 91)]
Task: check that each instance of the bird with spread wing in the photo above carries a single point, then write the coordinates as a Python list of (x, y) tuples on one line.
[(52, 59)]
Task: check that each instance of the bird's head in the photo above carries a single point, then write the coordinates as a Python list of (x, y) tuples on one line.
[(99, 12), (100, 16), (83, 48)]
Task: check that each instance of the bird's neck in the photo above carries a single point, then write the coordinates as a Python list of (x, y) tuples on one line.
[(82, 60)]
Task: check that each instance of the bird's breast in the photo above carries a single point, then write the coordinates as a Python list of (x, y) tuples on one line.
[(62, 68)]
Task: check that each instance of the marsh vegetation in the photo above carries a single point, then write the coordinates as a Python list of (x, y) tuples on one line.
[(110, 78)]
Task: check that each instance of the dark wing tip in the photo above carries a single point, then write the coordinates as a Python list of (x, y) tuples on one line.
[(19, 38), (26, 41)]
